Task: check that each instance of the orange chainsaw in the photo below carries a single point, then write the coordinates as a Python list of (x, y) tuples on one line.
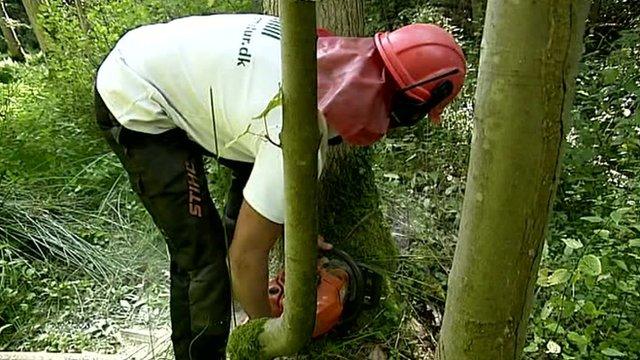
[(344, 289)]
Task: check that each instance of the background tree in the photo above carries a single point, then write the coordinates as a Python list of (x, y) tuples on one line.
[(478, 8), (13, 43), (82, 18), (525, 92), (32, 7)]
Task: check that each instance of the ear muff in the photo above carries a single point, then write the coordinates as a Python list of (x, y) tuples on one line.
[(407, 112), (336, 140)]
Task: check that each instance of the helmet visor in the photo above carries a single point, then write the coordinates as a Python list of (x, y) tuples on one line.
[(406, 111)]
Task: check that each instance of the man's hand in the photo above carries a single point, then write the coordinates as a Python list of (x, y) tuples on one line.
[(323, 245), (249, 257)]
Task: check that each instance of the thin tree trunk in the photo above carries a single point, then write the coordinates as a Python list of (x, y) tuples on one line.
[(350, 215), (300, 144), (32, 8), (526, 82), (82, 18), (13, 43), (478, 8)]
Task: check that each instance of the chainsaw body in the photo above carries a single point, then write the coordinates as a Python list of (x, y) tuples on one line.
[(344, 289)]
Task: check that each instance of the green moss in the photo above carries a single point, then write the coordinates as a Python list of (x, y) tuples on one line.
[(244, 343), (350, 215)]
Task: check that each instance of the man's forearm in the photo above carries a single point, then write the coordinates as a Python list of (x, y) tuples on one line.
[(250, 282), (249, 255)]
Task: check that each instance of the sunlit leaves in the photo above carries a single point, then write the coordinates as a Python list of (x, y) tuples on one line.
[(612, 352), (559, 276), (590, 265), (580, 341), (592, 219), (572, 243), (553, 347)]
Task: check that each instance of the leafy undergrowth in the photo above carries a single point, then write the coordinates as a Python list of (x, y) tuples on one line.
[(588, 300), (71, 276)]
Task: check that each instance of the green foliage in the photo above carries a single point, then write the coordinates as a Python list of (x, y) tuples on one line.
[(387, 15), (608, 18), (232, 6), (589, 300), (51, 306)]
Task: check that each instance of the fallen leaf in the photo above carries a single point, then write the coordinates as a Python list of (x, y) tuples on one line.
[(377, 353), (553, 348)]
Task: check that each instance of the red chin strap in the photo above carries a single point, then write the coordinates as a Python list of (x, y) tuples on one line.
[(354, 93)]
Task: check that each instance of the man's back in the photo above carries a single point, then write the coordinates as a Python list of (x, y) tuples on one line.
[(173, 74)]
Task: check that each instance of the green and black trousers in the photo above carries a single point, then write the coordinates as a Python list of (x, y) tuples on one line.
[(167, 172)]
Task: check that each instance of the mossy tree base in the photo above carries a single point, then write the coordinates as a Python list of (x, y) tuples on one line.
[(244, 343), (350, 215)]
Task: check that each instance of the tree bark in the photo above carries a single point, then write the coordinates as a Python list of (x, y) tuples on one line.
[(349, 204), (300, 145), (13, 43), (32, 9), (345, 18), (526, 83), (271, 7)]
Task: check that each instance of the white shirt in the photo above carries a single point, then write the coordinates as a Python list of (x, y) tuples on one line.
[(176, 74)]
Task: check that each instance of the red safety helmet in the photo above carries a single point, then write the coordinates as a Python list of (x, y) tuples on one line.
[(426, 63)]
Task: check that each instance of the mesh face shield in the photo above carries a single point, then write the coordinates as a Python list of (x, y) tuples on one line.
[(406, 111)]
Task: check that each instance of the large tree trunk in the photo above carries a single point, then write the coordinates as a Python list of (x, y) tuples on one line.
[(345, 18), (349, 206), (13, 43), (271, 7), (526, 82), (32, 8)]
